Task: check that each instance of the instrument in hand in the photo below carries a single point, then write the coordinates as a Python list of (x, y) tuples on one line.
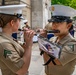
[(48, 31)]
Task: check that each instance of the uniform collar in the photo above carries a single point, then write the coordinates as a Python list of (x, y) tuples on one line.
[(65, 39), (5, 35)]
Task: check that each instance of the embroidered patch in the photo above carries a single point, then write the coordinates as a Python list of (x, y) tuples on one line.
[(6, 52), (72, 47)]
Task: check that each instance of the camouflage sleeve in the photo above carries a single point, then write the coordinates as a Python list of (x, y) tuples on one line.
[(68, 54), (10, 57)]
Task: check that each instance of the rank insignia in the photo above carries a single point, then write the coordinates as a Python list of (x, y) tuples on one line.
[(72, 47), (6, 52)]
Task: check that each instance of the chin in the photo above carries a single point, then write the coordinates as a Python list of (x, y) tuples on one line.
[(15, 31), (56, 34)]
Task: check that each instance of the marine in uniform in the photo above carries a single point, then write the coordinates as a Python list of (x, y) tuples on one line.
[(65, 63), (14, 58)]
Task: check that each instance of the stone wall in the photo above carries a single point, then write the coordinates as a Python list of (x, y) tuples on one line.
[(37, 18), (40, 13)]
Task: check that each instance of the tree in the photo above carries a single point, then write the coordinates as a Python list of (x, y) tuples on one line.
[(71, 3)]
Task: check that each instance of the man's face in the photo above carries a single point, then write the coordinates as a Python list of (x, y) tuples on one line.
[(62, 27)]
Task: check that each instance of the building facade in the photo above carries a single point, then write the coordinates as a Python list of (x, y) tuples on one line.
[(40, 13)]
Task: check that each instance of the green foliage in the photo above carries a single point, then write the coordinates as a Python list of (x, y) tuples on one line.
[(71, 3)]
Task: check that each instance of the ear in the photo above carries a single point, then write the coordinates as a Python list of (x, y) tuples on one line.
[(12, 23), (69, 26)]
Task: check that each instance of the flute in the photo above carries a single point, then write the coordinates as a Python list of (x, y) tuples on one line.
[(48, 31)]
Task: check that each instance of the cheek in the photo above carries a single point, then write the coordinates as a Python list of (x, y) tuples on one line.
[(63, 29), (17, 24)]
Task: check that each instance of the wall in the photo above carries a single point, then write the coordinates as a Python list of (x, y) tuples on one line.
[(40, 13), (27, 10)]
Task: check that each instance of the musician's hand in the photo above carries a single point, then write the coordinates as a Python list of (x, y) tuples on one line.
[(43, 32), (28, 36)]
